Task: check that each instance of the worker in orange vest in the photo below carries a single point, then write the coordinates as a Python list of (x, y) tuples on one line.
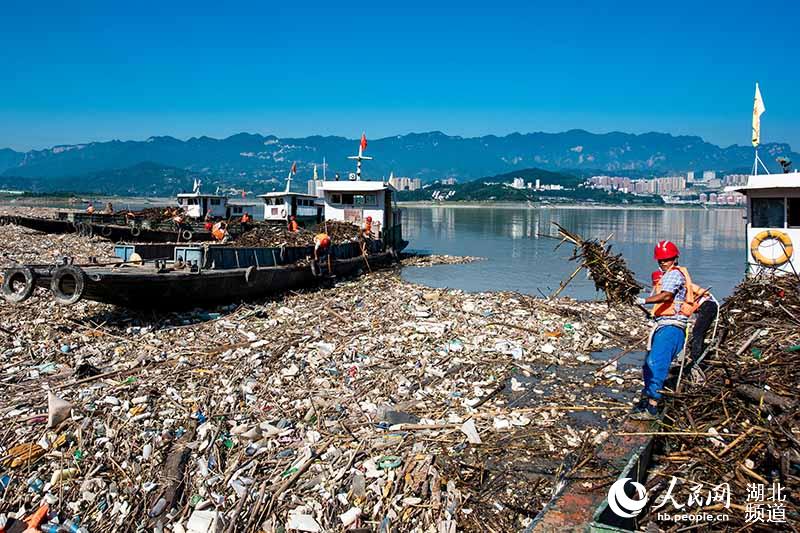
[(322, 245), (367, 231), (674, 298), (293, 224), (220, 231), (246, 218), (322, 249)]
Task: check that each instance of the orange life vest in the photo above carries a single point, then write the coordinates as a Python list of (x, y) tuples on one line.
[(245, 218), (368, 228), (319, 238), (293, 226), (218, 231), (688, 306)]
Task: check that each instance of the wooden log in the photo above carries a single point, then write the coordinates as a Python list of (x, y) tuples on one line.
[(759, 395)]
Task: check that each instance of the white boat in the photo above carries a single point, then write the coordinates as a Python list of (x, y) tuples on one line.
[(773, 222)]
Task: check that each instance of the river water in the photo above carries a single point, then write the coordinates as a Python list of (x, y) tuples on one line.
[(518, 258)]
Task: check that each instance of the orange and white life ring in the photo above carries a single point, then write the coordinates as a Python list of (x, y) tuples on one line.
[(771, 234)]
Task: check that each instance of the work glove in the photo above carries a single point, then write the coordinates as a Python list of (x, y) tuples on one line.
[(640, 301)]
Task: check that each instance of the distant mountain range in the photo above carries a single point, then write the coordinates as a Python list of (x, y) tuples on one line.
[(259, 163)]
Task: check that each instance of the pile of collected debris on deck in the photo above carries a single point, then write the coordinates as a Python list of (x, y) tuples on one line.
[(376, 404), (738, 422), (276, 236)]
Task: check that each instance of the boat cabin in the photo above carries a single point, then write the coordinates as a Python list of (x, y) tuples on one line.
[(354, 201), (237, 208), (279, 206), (773, 221), (196, 204)]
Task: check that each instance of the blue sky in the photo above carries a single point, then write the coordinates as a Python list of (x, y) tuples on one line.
[(91, 71)]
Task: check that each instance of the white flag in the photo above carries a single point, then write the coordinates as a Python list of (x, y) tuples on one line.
[(758, 110)]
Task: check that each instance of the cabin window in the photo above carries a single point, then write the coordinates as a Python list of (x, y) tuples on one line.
[(370, 199), (794, 212), (237, 209), (347, 199), (767, 213), (215, 201), (336, 198)]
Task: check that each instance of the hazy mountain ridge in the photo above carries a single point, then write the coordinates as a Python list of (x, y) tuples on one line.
[(253, 158), (142, 179)]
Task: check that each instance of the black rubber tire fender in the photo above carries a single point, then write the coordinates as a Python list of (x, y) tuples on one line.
[(60, 275), (12, 275), (105, 231), (187, 235), (136, 231)]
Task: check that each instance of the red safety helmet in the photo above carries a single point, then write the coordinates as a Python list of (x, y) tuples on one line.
[(208, 226), (665, 250), (325, 242), (369, 219), (656, 276)]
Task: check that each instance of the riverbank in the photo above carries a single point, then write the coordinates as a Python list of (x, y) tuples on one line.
[(522, 205), (374, 403)]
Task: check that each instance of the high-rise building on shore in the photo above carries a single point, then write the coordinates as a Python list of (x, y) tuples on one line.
[(405, 183)]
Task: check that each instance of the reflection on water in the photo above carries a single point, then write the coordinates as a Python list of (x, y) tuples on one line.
[(521, 259)]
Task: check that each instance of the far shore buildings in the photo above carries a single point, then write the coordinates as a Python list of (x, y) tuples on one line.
[(707, 190), (405, 183)]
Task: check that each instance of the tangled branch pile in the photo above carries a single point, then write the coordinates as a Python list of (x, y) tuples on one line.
[(157, 214), (609, 272), (274, 236), (749, 398), (339, 231)]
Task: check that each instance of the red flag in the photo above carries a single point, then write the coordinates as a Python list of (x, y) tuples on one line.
[(294, 168), (363, 141)]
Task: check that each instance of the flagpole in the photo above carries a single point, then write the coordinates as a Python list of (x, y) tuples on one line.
[(758, 110)]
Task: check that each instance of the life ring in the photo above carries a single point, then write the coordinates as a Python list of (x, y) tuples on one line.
[(68, 284), (136, 231), (186, 235), (13, 278), (770, 234), (283, 213)]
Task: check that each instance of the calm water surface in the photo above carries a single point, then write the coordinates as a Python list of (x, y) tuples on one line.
[(519, 259)]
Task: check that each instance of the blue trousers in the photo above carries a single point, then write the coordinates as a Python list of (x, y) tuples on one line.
[(667, 343)]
